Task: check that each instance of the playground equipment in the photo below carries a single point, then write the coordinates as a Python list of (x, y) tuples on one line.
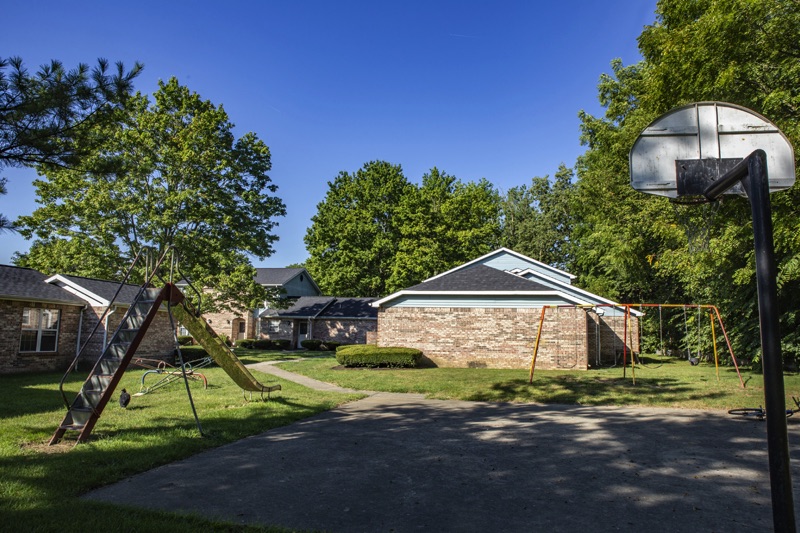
[(170, 373), (628, 337), (84, 411)]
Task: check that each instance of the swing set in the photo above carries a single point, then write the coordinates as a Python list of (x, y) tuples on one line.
[(630, 336)]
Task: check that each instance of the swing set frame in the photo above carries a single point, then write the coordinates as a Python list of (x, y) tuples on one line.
[(627, 332)]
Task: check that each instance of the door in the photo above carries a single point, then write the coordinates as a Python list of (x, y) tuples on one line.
[(239, 329), (302, 332)]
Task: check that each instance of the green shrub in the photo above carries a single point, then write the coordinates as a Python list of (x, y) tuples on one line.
[(311, 344), (371, 356), (185, 340), (246, 343), (263, 344), (192, 353), (281, 344)]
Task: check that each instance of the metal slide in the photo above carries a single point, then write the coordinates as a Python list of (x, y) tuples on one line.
[(218, 350)]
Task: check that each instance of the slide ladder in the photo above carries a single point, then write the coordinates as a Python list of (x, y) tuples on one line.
[(97, 390)]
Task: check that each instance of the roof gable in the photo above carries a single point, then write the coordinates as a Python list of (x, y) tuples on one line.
[(509, 260), (281, 277), (97, 292)]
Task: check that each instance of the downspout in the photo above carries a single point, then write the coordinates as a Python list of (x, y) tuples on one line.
[(80, 332), (105, 328)]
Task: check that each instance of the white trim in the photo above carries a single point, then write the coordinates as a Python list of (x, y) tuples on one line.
[(559, 294), (504, 250), (73, 288)]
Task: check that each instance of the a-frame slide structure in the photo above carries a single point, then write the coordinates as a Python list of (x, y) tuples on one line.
[(97, 390)]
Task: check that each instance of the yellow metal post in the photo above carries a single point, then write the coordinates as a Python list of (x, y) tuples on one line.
[(714, 339), (536, 346)]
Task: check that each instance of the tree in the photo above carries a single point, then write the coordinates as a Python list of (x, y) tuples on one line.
[(173, 175), (445, 222), (632, 245), (5, 224), (537, 219), (43, 116), (355, 235), (376, 233)]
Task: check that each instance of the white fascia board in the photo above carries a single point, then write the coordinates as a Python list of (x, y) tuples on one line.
[(579, 290), (560, 294), (79, 291), (503, 250)]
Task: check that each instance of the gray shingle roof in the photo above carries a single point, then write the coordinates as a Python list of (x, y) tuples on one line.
[(27, 284), (276, 276), (303, 307), (106, 289), (351, 308), (479, 278), (325, 307)]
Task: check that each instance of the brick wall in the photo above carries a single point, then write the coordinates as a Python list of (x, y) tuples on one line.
[(226, 323), (491, 338), (346, 331), (606, 334), (285, 329), (12, 361), (158, 342)]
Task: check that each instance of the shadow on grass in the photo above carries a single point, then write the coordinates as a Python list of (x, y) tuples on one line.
[(565, 389)]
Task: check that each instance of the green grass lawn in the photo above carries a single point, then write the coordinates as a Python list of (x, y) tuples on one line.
[(675, 383), (40, 484)]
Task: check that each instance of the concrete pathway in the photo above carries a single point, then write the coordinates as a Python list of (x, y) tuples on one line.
[(401, 463)]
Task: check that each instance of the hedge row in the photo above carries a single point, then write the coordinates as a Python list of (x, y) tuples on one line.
[(263, 344), (367, 355)]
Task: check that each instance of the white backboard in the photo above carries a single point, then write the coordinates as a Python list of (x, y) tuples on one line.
[(703, 131)]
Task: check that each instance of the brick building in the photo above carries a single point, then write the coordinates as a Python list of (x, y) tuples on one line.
[(344, 320), (486, 313), (44, 320), (305, 313)]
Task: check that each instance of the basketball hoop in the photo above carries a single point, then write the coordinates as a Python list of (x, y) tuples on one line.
[(710, 149)]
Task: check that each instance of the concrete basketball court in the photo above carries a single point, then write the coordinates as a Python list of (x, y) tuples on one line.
[(398, 462)]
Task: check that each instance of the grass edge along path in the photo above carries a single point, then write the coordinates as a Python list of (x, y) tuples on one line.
[(40, 485), (659, 383)]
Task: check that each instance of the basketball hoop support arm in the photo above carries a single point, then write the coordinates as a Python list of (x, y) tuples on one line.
[(752, 174)]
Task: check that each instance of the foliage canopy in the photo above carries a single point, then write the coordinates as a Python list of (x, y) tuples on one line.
[(173, 175)]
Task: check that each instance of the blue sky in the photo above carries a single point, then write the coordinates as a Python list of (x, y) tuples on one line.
[(478, 89)]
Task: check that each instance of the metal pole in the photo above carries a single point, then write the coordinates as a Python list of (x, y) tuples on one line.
[(536, 347), (755, 181)]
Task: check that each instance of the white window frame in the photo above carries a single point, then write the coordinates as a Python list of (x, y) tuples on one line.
[(33, 321), (274, 326)]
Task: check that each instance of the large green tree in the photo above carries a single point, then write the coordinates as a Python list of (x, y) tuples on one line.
[(633, 246), (44, 115), (355, 234), (537, 219), (445, 222), (376, 233), (174, 175)]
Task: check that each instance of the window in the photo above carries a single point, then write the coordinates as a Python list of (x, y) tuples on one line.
[(303, 328), (39, 330), (274, 326), (241, 326)]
